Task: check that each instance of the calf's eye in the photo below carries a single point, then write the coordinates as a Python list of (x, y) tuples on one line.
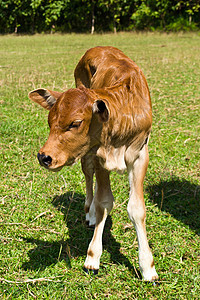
[(75, 124)]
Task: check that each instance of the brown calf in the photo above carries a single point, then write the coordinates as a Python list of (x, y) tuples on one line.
[(105, 121)]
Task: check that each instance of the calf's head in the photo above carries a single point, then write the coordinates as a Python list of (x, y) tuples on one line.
[(70, 121)]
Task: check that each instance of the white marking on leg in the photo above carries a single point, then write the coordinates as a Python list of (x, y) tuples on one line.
[(95, 247)]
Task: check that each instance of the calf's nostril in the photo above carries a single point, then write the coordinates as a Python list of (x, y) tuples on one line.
[(45, 160)]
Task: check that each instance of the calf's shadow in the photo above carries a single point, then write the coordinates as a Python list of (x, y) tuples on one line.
[(178, 197)]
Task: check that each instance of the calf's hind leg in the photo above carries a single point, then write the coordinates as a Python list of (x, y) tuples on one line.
[(137, 213)]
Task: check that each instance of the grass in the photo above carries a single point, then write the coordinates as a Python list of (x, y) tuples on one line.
[(43, 237)]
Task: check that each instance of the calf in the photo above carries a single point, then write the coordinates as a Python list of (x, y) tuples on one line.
[(105, 121)]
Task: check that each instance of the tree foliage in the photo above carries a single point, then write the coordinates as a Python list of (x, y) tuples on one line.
[(78, 15)]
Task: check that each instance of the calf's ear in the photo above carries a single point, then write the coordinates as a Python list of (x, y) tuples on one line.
[(100, 107), (45, 98)]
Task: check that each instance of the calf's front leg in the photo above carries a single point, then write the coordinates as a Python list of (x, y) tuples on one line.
[(137, 213), (103, 202)]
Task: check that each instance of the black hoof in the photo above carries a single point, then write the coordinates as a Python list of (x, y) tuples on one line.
[(89, 271), (155, 283), (88, 225), (91, 226)]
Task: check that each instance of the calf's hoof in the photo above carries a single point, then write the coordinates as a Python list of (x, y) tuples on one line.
[(88, 225), (155, 283), (91, 220), (90, 271), (151, 276)]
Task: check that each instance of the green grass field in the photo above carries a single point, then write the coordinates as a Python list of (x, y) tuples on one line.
[(43, 236)]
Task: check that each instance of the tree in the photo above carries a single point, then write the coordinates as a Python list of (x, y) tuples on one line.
[(99, 15), (53, 11)]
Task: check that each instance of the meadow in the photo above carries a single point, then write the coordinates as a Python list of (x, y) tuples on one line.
[(43, 235)]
